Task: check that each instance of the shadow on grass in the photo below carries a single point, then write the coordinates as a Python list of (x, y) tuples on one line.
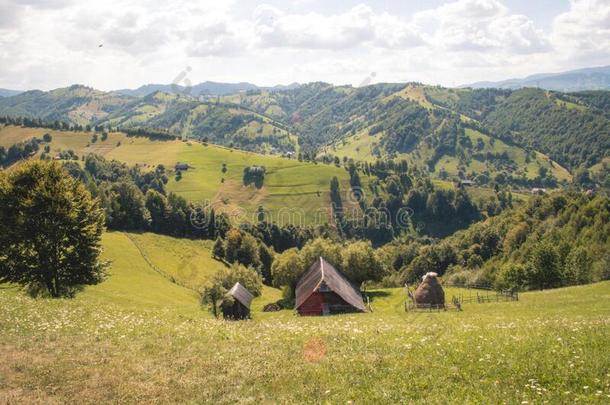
[(373, 295)]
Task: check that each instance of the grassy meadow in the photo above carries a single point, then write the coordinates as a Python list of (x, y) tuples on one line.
[(139, 337), (293, 191)]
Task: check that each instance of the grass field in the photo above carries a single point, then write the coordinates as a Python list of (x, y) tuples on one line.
[(289, 184), (79, 142), (293, 192), (137, 337)]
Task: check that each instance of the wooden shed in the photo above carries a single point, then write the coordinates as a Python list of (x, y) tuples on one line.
[(323, 290), (239, 307)]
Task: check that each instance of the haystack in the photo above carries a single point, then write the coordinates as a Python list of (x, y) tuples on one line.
[(430, 291)]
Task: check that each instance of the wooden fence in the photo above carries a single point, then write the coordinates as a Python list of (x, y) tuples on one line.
[(473, 294), (483, 294)]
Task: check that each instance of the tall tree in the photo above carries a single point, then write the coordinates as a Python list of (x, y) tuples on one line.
[(544, 266), (218, 251), (50, 230)]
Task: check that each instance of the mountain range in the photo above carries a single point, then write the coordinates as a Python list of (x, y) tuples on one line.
[(525, 136), (207, 88), (596, 78)]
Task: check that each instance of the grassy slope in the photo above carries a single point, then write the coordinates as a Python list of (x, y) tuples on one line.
[(132, 282), (359, 147), (139, 338), (289, 184), (152, 111), (79, 142), (599, 166)]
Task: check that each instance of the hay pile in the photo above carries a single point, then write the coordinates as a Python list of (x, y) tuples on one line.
[(430, 291)]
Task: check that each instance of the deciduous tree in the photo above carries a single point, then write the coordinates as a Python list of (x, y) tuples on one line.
[(50, 230)]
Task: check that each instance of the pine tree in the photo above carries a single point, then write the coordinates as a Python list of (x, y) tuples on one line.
[(218, 251)]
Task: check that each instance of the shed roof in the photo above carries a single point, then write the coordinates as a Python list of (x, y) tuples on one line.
[(323, 272), (241, 294)]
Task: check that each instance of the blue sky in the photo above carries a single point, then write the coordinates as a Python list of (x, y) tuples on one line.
[(54, 43)]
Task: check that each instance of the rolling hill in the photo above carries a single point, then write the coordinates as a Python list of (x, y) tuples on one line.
[(522, 137), (75, 104), (441, 130), (179, 115), (205, 88), (221, 124), (288, 184)]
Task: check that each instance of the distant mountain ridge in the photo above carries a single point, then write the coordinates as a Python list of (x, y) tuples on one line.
[(208, 88), (9, 93), (596, 78)]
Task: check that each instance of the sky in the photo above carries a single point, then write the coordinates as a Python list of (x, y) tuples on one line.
[(47, 44)]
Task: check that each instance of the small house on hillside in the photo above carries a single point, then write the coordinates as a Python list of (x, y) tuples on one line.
[(323, 290), (238, 306), (538, 191)]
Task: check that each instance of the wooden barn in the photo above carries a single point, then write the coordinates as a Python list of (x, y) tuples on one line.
[(240, 307), (323, 290)]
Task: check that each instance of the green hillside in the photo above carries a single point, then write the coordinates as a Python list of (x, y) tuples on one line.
[(478, 158), (293, 192), (427, 122), (569, 132), (75, 104), (138, 337), (225, 124), (522, 138), (433, 125)]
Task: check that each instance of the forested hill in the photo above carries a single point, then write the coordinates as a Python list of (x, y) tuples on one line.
[(572, 128), (559, 239), (223, 124), (75, 105), (448, 130), (564, 126)]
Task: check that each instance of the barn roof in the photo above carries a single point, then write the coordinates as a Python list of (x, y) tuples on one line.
[(242, 295), (323, 272)]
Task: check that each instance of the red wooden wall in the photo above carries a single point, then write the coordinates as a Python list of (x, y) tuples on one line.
[(312, 305)]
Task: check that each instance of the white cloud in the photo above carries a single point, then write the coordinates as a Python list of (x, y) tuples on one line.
[(584, 30), (13, 11), (353, 28), (53, 43), (480, 26)]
